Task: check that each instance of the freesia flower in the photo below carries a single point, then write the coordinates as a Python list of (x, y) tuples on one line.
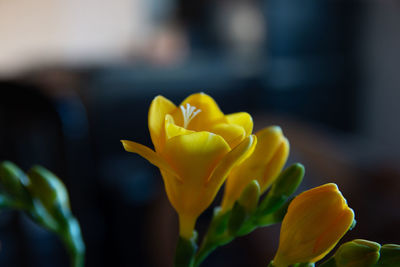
[(315, 221), (196, 146), (264, 165)]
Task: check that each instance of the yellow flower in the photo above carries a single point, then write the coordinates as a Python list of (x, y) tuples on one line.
[(196, 146), (315, 221), (264, 165)]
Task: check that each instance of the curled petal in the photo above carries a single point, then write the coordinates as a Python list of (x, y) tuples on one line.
[(150, 155), (233, 134), (275, 165), (236, 156), (172, 130), (242, 119), (159, 108)]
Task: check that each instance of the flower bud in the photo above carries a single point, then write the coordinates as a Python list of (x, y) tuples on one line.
[(49, 189), (357, 253), (284, 186), (263, 165), (13, 180), (390, 255), (250, 196), (315, 221)]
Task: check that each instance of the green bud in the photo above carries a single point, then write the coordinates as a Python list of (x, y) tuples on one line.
[(185, 251), (285, 185), (14, 181), (249, 198), (49, 189), (390, 256), (288, 181), (357, 253)]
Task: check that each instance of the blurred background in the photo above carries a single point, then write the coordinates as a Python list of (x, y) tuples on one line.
[(77, 76)]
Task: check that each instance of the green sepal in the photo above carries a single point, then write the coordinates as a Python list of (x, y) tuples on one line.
[(185, 251), (244, 207), (219, 222), (263, 221), (390, 256), (275, 217), (237, 218), (284, 186), (14, 181)]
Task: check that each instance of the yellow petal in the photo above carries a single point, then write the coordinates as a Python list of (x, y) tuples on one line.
[(159, 108), (188, 205), (233, 134), (275, 165), (195, 155), (242, 119), (210, 112), (172, 130), (150, 155), (233, 158), (236, 156), (333, 233)]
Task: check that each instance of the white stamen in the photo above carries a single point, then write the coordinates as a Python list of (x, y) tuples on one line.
[(189, 113)]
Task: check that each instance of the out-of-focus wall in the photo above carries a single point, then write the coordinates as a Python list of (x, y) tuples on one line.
[(380, 63), (74, 31)]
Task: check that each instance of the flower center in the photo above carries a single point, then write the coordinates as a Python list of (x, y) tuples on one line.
[(188, 114)]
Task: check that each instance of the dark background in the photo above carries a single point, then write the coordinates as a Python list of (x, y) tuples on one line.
[(327, 72)]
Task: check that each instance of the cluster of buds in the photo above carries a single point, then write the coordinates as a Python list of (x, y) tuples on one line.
[(44, 198)]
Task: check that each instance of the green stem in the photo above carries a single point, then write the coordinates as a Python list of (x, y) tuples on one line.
[(209, 245), (77, 259), (215, 236), (185, 252)]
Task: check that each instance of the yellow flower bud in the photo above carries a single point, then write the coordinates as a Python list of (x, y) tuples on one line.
[(264, 165), (315, 221), (196, 146)]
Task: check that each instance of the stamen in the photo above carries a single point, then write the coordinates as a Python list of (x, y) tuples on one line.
[(189, 113)]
